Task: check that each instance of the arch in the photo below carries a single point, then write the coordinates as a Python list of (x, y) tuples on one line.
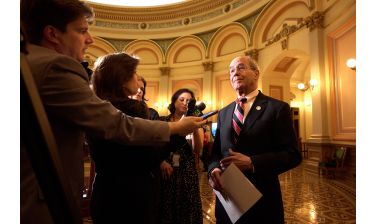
[(148, 51), (99, 48), (188, 49), (222, 42), (272, 18), (289, 64), (285, 71), (195, 85)]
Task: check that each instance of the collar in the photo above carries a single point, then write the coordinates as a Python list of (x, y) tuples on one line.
[(251, 96)]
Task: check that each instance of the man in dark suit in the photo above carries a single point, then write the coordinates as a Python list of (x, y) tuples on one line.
[(264, 147)]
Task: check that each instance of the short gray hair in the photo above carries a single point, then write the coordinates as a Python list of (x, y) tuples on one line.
[(252, 63)]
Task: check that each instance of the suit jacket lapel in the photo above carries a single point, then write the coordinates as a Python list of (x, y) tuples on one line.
[(259, 106)]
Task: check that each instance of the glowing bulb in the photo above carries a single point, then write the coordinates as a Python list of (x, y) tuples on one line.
[(301, 86), (351, 63)]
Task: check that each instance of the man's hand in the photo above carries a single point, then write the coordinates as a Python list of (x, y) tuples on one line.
[(215, 179), (186, 125), (242, 161)]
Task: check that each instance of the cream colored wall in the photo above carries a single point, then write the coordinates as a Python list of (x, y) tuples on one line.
[(190, 62)]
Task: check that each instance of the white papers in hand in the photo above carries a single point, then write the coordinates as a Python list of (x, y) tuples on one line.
[(239, 194)]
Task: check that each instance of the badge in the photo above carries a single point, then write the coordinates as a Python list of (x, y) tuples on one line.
[(176, 160), (258, 108)]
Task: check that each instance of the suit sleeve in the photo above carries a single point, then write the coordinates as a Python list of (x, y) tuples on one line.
[(216, 156), (285, 155), (66, 94)]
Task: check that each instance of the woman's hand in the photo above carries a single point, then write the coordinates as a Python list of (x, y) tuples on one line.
[(186, 125), (166, 170)]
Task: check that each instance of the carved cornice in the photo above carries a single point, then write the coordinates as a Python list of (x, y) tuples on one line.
[(314, 21)]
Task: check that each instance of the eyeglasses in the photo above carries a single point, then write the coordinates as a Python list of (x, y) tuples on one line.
[(240, 67)]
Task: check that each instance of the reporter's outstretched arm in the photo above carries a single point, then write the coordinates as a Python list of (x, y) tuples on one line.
[(185, 125)]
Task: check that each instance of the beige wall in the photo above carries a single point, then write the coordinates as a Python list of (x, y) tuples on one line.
[(294, 41)]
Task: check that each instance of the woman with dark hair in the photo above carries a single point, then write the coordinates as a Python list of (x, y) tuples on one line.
[(180, 197), (126, 185), (140, 95)]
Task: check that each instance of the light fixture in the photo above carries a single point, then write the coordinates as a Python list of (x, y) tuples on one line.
[(351, 63), (305, 86)]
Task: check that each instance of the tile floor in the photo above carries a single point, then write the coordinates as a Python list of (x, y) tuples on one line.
[(307, 197)]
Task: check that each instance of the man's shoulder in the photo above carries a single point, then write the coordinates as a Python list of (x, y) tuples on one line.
[(44, 57), (230, 105), (272, 100), (42, 60)]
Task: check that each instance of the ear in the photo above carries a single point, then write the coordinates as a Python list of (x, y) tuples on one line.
[(256, 74), (51, 34)]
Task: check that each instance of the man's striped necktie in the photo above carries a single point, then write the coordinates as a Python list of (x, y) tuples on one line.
[(238, 117)]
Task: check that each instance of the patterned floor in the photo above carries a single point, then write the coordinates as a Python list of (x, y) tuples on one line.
[(307, 199)]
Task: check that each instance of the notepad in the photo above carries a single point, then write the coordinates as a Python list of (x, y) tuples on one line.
[(239, 194)]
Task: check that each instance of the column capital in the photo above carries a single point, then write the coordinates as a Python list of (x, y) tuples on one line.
[(165, 70), (208, 65), (316, 20), (253, 53)]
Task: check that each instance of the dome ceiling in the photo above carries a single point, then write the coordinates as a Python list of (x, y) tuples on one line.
[(173, 20), (137, 3)]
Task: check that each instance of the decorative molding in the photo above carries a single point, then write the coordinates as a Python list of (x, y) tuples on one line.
[(178, 15), (163, 25), (284, 44), (342, 79), (285, 32), (118, 44), (207, 36), (239, 3), (253, 53), (314, 21), (116, 25), (207, 16), (208, 65), (165, 70), (249, 21), (147, 14), (186, 21), (164, 43), (227, 8)]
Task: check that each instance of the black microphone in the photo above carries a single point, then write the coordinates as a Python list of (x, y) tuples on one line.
[(193, 109), (201, 106)]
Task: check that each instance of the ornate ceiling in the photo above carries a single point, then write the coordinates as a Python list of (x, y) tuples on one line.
[(137, 3), (170, 21)]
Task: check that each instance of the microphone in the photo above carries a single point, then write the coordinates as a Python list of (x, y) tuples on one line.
[(193, 109), (201, 106)]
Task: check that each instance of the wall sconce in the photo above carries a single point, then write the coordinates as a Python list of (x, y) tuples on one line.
[(312, 84), (351, 63)]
